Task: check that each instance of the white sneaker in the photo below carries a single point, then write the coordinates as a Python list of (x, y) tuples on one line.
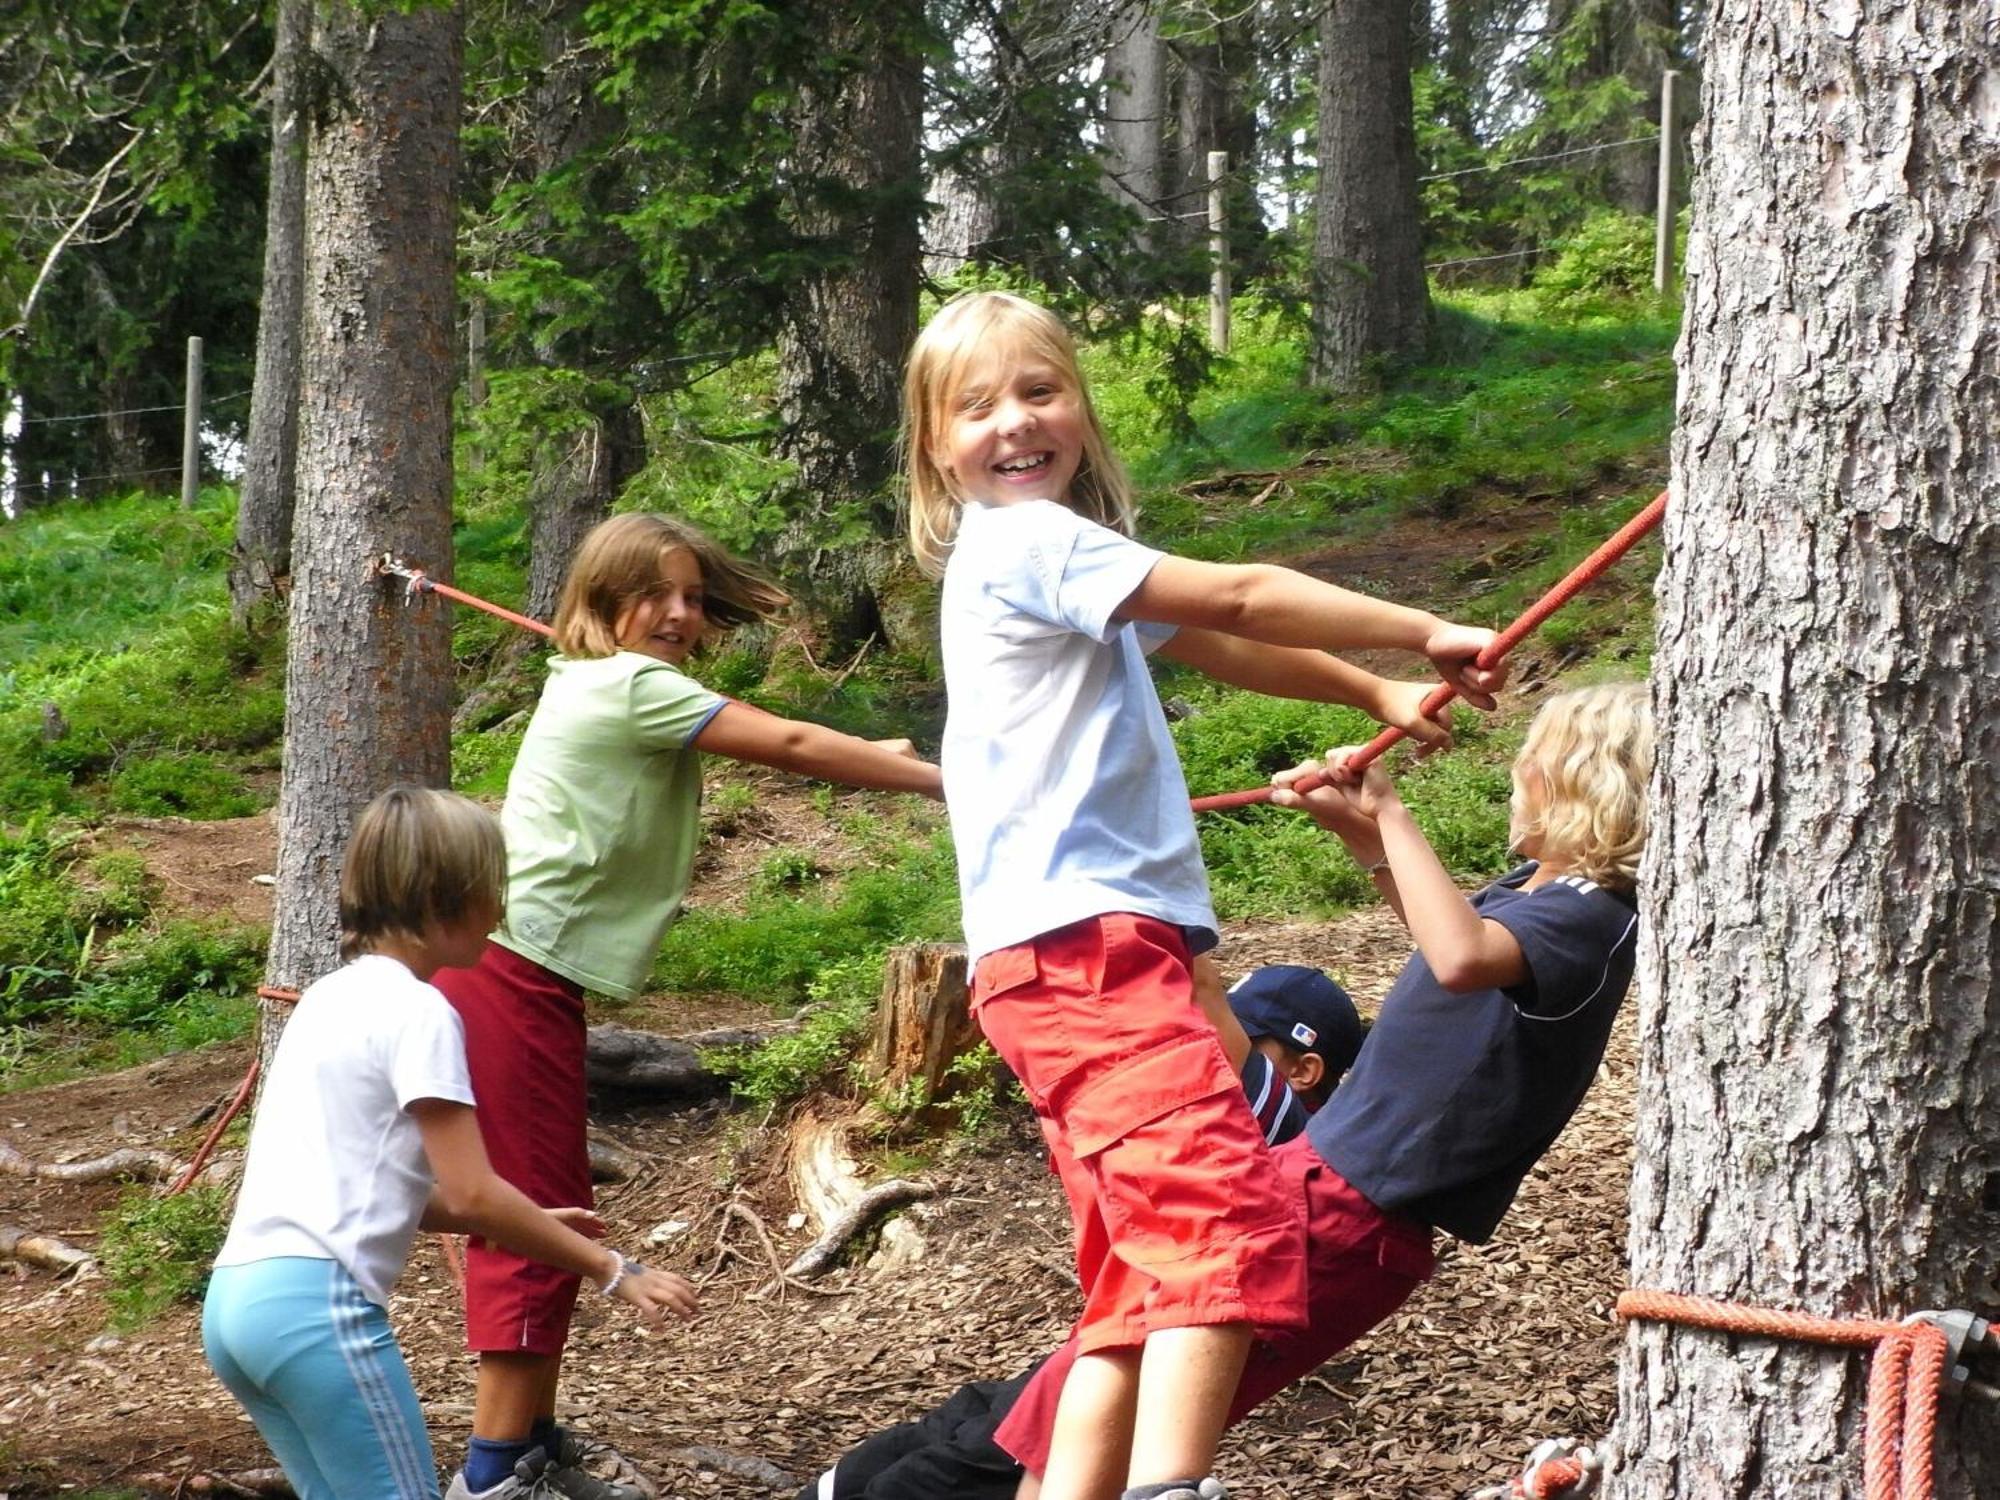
[(529, 1481)]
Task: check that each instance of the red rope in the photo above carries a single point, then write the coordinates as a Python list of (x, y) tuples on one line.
[(234, 1107), (1579, 578), (1903, 1381), (423, 584)]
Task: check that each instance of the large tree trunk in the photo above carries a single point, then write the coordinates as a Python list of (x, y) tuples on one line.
[(263, 551), (1819, 1092), (1135, 111), (849, 321), (1369, 297), (367, 676), (1642, 48)]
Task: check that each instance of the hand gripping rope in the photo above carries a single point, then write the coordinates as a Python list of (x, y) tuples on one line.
[(1531, 618)]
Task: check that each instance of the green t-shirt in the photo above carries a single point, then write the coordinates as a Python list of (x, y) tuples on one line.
[(602, 817)]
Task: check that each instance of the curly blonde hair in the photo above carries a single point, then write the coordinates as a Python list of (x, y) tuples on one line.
[(971, 334), (1593, 748)]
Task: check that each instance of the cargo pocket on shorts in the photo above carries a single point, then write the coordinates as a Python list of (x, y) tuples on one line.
[(1161, 1186)]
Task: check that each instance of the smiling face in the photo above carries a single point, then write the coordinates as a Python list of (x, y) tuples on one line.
[(666, 623), (1014, 432)]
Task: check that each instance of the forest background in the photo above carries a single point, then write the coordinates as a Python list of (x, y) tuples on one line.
[(692, 243)]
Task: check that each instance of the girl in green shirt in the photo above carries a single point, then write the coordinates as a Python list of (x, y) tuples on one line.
[(602, 819)]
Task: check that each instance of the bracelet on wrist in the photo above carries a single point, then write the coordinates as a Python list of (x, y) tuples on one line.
[(624, 1267), (1377, 868)]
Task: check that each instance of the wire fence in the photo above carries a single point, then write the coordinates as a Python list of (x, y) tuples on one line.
[(135, 411)]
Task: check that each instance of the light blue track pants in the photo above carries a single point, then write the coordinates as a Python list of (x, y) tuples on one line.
[(317, 1366)]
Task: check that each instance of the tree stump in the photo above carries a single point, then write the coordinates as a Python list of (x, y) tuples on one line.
[(923, 1024)]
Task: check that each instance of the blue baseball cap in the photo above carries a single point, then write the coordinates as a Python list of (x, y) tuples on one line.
[(1301, 1007)]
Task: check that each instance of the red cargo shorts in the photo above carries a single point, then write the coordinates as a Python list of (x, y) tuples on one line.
[(1361, 1265), (524, 1046), (1179, 1213)]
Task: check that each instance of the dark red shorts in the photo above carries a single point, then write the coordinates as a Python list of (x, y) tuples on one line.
[(1361, 1264), (524, 1046), (1179, 1213)]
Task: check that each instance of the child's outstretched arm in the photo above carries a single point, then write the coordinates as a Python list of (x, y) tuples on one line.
[(471, 1198), (1283, 607), (745, 733), (1465, 951), (1315, 676)]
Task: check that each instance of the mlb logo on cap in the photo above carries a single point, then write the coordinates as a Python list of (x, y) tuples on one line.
[(1301, 1007)]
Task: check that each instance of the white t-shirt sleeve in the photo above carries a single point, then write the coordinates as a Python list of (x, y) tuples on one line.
[(1059, 568), (427, 1059)]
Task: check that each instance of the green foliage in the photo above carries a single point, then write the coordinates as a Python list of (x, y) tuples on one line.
[(777, 951), (155, 1252), (137, 720), (482, 761), (1609, 256), (786, 870), (843, 995), (186, 786), (173, 977)]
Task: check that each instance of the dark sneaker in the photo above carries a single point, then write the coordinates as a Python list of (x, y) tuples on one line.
[(568, 1475), (529, 1481)]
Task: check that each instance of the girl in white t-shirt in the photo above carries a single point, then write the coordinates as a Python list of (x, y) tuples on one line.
[(366, 1134), (1083, 887)]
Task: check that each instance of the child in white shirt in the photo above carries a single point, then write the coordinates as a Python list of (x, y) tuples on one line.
[(365, 1135)]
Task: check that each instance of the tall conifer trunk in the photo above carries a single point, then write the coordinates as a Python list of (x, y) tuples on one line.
[(1819, 1093), (368, 677), (1369, 297), (263, 551), (849, 321)]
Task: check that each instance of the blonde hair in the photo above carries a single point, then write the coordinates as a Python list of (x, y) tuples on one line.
[(982, 329), (418, 858), (1594, 749), (619, 564)]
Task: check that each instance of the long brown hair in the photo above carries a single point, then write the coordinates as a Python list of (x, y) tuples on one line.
[(619, 564)]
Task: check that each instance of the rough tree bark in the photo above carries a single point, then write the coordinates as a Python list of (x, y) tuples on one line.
[(1369, 297), (367, 676), (263, 549), (849, 321), (1819, 1091)]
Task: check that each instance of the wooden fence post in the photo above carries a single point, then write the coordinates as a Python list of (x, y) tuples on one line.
[(1663, 225), (191, 428), (1218, 254)]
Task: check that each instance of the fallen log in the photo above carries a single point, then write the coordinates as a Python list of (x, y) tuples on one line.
[(632, 1061), (43, 1250), (127, 1164), (263, 1484), (613, 1161)]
